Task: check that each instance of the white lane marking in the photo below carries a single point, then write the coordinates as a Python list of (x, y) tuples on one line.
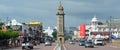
[(55, 47), (64, 47)]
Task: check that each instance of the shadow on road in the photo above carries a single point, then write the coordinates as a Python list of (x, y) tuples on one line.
[(96, 47)]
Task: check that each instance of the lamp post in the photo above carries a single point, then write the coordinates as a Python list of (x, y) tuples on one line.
[(10, 24), (110, 36)]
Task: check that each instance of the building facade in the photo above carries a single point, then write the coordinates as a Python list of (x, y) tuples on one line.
[(97, 29), (33, 29), (103, 29)]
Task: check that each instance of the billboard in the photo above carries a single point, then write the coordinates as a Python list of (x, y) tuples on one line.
[(82, 29)]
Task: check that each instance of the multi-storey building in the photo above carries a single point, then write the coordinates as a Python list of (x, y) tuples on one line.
[(33, 29), (103, 29)]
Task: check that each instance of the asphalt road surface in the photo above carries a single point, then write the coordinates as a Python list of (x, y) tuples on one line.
[(68, 47), (38, 47), (77, 47)]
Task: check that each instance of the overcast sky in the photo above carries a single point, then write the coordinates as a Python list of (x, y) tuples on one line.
[(76, 11)]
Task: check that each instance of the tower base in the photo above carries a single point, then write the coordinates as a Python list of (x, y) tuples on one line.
[(60, 39)]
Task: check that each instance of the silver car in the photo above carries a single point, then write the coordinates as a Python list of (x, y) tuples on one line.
[(48, 43), (81, 43), (89, 44)]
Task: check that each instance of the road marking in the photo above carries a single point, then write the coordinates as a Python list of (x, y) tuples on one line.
[(64, 47), (55, 47)]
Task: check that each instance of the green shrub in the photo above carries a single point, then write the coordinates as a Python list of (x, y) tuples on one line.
[(8, 34)]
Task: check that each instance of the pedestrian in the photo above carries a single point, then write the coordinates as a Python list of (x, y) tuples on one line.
[(10, 43), (16, 42)]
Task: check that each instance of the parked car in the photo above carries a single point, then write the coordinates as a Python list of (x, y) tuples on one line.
[(27, 45), (98, 42), (48, 43), (34, 42), (42, 40), (81, 43), (71, 42), (89, 44)]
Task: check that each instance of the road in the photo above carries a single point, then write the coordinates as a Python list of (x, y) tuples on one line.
[(68, 47), (77, 47), (38, 47)]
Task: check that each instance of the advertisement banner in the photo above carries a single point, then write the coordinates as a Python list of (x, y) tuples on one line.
[(82, 30)]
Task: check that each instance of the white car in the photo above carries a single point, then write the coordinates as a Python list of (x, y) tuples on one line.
[(71, 42), (98, 42), (27, 45)]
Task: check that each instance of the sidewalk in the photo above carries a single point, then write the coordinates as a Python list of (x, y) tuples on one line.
[(7, 47), (115, 44), (2, 47)]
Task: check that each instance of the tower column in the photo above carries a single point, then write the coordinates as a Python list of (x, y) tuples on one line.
[(60, 24)]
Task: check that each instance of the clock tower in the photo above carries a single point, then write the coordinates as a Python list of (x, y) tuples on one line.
[(60, 24)]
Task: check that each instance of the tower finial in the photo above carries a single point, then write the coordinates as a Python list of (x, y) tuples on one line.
[(60, 2), (60, 7)]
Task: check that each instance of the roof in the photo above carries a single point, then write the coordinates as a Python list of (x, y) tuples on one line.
[(13, 22), (94, 19), (33, 22)]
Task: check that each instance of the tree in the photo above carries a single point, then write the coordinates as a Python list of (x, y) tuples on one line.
[(2, 35), (68, 37), (54, 34), (1, 23), (8, 34)]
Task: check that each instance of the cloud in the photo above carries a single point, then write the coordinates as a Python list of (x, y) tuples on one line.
[(77, 11)]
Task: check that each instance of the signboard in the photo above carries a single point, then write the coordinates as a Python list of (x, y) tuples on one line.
[(82, 30)]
